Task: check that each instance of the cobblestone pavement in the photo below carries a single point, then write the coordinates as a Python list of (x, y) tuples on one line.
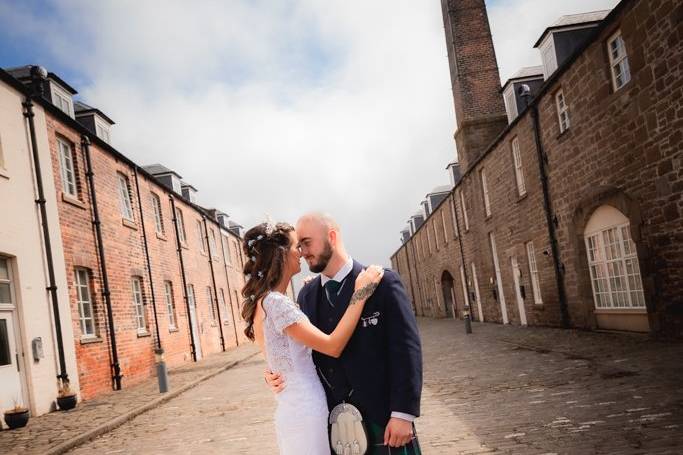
[(503, 390), (50, 430)]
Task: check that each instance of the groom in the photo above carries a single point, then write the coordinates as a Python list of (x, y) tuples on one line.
[(380, 371)]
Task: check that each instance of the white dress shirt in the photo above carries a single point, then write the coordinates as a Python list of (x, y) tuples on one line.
[(339, 277)]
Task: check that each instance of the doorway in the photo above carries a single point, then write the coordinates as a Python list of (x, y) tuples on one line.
[(516, 278), (447, 290)]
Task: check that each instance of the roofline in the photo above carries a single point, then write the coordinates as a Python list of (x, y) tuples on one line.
[(561, 27), (531, 77), (61, 82), (603, 24), (101, 144), (94, 110)]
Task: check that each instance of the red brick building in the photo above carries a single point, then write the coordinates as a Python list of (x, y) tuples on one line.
[(568, 190), (147, 267)]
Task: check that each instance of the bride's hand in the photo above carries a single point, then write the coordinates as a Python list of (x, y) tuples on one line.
[(367, 281)]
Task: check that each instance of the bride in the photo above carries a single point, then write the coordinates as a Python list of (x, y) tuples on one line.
[(286, 337)]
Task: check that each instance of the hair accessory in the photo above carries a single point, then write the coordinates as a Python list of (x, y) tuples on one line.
[(270, 225), (253, 258), (252, 297), (260, 274)]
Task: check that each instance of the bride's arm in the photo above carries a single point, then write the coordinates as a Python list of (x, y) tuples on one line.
[(333, 344)]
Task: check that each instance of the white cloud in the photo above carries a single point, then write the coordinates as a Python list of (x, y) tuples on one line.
[(283, 107)]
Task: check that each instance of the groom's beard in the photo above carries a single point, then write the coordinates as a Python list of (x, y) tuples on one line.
[(325, 257)]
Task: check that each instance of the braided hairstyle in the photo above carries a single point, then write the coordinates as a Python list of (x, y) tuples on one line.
[(266, 247)]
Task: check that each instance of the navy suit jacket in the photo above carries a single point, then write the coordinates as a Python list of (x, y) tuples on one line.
[(383, 361)]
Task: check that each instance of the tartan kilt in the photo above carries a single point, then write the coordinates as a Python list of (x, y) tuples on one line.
[(376, 443)]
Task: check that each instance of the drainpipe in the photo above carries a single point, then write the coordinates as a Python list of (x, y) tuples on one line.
[(106, 294), (179, 250), (468, 318), (162, 372), (38, 75), (213, 280), (551, 221), (410, 274), (417, 272), (227, 280)]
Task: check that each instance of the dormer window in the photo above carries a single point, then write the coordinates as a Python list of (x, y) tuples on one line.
[(102, 130), (510, 102), (62, 99), (548, 56), (618, 61)]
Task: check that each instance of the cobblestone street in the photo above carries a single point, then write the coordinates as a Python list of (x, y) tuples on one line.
[(500, 390)]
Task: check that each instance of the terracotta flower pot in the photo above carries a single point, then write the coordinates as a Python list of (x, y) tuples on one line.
[(67, 402), (16, 419)]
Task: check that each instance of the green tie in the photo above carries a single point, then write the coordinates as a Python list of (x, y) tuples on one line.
[(331, 289)]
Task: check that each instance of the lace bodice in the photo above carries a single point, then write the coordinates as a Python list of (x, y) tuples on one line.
[(283, 353)]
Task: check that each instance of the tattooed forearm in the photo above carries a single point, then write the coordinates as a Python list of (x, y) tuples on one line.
[(363, 293)]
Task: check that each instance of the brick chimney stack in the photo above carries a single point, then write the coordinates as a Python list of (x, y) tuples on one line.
[(479, 108)]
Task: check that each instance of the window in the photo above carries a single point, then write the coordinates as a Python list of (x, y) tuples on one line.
[(62, 100), (562, 111), (84, 300), (181, 225), (66, 164), (102, 130), (158, 218), (5, 282), (464, 210), (429, 240), (533, 273), (519, 174), (548, 56), (436, 234), (618, 61), (613, 261), (224, 307), (443, 224), (139, 305), (485, 191), (125, 200), (455, 220), (510, 102), (209, 299), (237, 298), (226, 249), (212, 242), (200, 237), (170, 304)]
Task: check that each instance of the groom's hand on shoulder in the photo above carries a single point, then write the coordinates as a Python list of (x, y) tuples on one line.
[(275, 381)]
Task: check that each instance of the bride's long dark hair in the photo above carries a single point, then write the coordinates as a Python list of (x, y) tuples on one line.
[(266, 247)]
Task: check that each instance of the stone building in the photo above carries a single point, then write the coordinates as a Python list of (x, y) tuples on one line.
[(568, 193), (148, 270), (37, 353)]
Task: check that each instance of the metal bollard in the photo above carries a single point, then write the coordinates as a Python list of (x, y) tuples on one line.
[(468, 320), (162, 372)]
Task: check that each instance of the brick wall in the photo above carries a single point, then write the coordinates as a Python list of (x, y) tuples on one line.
[(623, 149)]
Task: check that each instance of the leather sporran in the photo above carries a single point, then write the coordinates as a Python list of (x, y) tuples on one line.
[(348, 435)]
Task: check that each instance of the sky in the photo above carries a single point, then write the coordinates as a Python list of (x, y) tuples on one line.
[(276, 108)]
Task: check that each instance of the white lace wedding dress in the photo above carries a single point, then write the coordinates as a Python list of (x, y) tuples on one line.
[(301, 415)]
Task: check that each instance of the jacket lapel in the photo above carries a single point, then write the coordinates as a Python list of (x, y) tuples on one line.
[(349, 283), (313, 300)]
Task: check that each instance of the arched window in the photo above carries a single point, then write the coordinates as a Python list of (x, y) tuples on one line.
[(613, 261)]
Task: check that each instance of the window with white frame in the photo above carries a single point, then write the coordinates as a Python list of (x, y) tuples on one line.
[(455, 219), (613, 261), (510, 102), (436, 234), (224, 307), (519, 173), (158, 217), (139, 305), (125, 201), (548, 56), (562, 111), (102, 130), (86, 315), (62, 99), (226, 250), (209, 299), (464, 210), (170, 304), (181, 225), (618, 61), (485, 192), (533, 273), (429, 240), (200, 237), (212, 242), (443, 224), (67, 168), (5, 282)]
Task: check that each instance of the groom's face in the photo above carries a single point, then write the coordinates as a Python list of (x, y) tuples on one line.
[(315, 245)]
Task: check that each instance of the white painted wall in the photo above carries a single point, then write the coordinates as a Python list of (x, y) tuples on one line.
[(21, 239)]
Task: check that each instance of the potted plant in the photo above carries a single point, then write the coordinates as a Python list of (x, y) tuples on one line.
[(17, 417), (66, 398)]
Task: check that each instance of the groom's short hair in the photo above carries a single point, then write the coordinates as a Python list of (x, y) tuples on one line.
[(323, 218)]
